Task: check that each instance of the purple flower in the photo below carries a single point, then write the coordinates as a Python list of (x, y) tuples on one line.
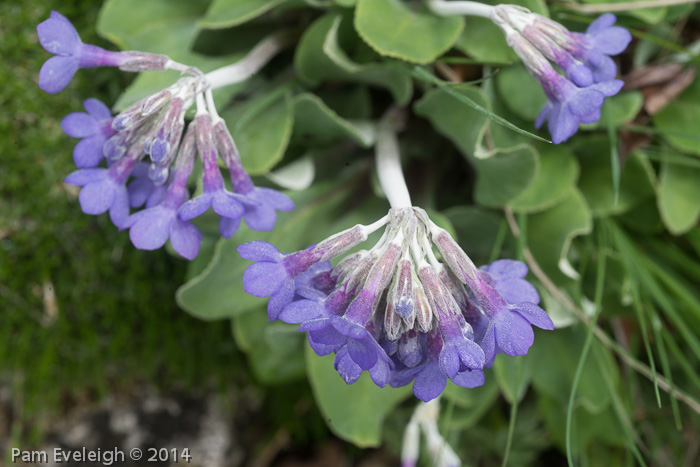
[(151, 228), (224, 203), (95, 127), (430, 378), (507, 276), (58, 36), (569, 105), (509, 328), (103, 190), (260, 204), (601, 41), (141, 188), (273, 274)]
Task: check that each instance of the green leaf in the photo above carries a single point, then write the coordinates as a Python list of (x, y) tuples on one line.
[(317, 59), (596, 182), (393, 29), (261, 130), (649, 15), (679, 197), (513, 375), (681, 116), (555, 178), (484, 41), (228, 13), (354, 412), (464, 126), (505, 176), (549, 233), (218, 292), (275, 350), (521, 93), (314, 119)]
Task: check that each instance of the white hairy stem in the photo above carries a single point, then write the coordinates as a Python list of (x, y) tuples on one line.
[(389, 162), (443, 8)]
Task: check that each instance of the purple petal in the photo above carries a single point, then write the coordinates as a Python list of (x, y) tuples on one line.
[(362, 353), (605, 72), (85, 176), (514, 334), (263, 279), (612, 41), (280, 299), (347, 368), (601, 23), (97, 109), (535, 315), (449, 361), (57, 35), (274, 198), (542, 116), (80, 125), (260, 217), (195, 207), (151, 231), (327, 336), (88, 152), (470, 354), (259, 250), (228, 227), (56, 73), (518, 291), (506, 269), (300, 311), (380, 373), (609, 88), (225, 204), (119, 211), (185, 238), (317, 325), (97, 198), (585, 102), (562, 124), (321, 349), (488, 343), (469, 378), (139, 189), (429, 383)]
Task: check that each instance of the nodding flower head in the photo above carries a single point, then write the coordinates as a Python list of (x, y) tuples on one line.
[(395, 310), (58, 36), (149, 151), (585, 58)]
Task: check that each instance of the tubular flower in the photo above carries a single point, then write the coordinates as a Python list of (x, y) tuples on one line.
[(395, 310), (589, 71), (144, 143)]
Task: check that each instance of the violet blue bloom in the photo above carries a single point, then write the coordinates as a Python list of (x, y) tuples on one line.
[(350, 371), (151, 228), (104, 189), (142, 190), (510, 325), (260, 204), (58, 36), (95, 127), (601, 41), (507, 276), (430, 379), (225, 204), (570, 105), (273, 274)]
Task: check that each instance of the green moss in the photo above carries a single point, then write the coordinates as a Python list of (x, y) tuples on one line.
[(114, 319)]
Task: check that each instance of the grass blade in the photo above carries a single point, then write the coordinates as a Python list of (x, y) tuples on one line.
[(419, 73)]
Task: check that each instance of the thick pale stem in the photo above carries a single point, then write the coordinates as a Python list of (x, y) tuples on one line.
[(389, 162), (443, 8), (246, 67)]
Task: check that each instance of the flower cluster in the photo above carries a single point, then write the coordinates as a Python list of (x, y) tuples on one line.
[(149, 151), (589, 72), (395, 310)]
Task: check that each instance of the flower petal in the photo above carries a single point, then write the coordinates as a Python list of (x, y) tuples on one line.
[(263, 279), (429, 383), (88, 152), (56, 73), (259, 250), (185, 238), (57, 35), (96, 198), (152, 230), (535, 315), (514, 335), (80, 125)]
